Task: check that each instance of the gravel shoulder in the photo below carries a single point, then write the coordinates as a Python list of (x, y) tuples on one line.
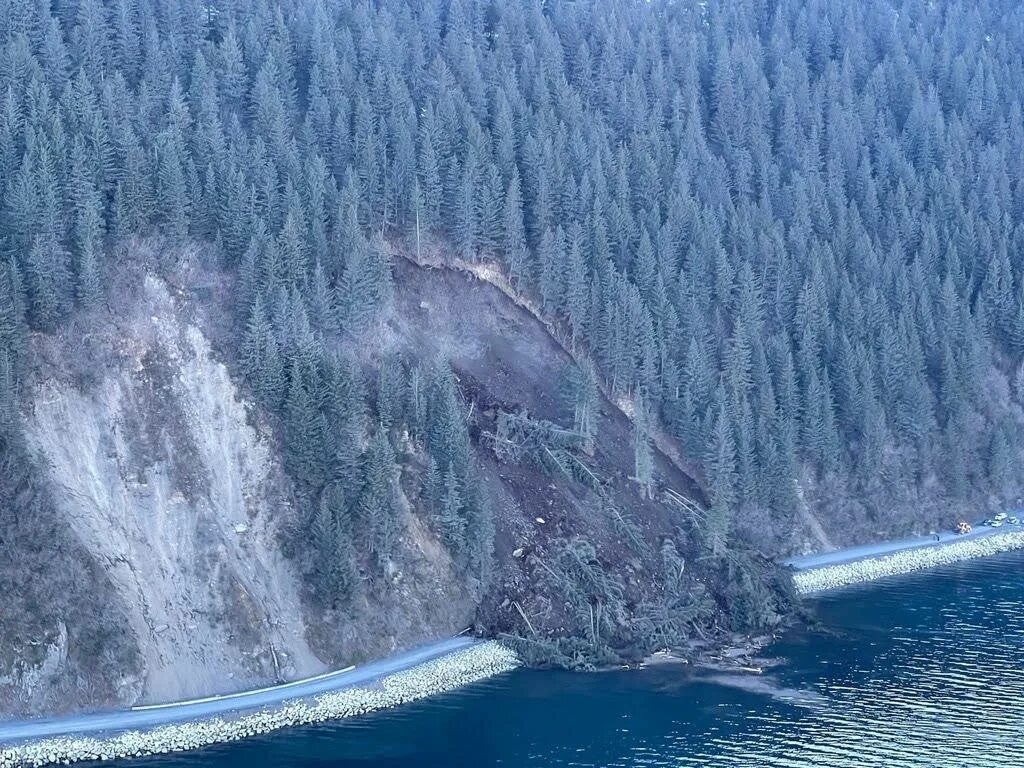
[(831, 570), (429, 670), (850, 554)]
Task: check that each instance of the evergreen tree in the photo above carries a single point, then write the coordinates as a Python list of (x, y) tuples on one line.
[(447, 436), (13, 324), (465, 226), (514, 240), (172, 184), (90, 279), (450, 511), (416, 407), (345, 404), (378, 503), (428, 172), (91, 35), (49, 282), (552, 259), (8, 392), (304, 438), (261, 360), (720, 462), (643, 453), (322, 310), (365, 286), (335, 554), (577, 286), (390, 391), (479, 518), (583, 397)]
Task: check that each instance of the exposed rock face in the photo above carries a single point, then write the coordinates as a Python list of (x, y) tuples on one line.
[(166, 539), (157, 468), (182, 514)]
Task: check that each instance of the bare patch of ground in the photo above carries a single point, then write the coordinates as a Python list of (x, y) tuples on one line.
[(506, 360), (170, 485), (156, 469)]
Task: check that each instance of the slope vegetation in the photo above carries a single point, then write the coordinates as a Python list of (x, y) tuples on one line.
[(590, 561), (175, 488)]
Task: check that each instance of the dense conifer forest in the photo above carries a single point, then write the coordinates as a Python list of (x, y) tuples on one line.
[(790, 233)]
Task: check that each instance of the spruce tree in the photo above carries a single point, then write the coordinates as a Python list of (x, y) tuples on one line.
[(447, 436), (643, 453), (390, 391), (720, 464), (378, 503), (450, 513), (365, 286), (49, 282), (333, 542), (304, 438), (514, 240), (261, 361)]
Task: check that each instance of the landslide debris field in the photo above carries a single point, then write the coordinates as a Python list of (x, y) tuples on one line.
[(506, 361), (169, 486)]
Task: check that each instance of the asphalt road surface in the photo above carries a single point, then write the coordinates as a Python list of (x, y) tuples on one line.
[(853, 554), (150, 716)]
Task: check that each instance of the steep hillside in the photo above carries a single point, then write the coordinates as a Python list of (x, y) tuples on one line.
[(174, 487), (62, 620), (572, 540), (155, 468), (166, 493), (760, 289)]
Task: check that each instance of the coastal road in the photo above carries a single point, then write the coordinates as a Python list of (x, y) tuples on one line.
[(150, 716), (852, 554)]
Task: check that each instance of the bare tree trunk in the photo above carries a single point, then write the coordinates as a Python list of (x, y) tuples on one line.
[(417, 220)]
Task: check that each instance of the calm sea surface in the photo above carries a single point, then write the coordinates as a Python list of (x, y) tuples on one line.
[(920, 670)]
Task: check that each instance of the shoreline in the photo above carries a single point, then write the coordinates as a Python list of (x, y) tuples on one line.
[(438, 675), (832, 570), (463, 665)]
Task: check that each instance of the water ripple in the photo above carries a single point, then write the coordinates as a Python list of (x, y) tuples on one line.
[(923, 670)]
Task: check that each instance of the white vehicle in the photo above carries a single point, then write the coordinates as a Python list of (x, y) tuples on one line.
[(1001, 516), (996, 523)]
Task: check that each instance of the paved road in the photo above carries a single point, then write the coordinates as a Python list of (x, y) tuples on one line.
[(887, 547), (162, 714)]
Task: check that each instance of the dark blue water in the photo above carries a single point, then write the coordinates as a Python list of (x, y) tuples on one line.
[(921, 670)]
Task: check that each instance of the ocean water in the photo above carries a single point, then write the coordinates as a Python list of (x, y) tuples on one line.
[(918, 670)]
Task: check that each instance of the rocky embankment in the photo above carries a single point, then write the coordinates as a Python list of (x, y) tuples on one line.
[(437, 676), (826, 577)]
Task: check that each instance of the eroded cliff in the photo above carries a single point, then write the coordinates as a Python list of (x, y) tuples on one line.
[(158, 471)]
